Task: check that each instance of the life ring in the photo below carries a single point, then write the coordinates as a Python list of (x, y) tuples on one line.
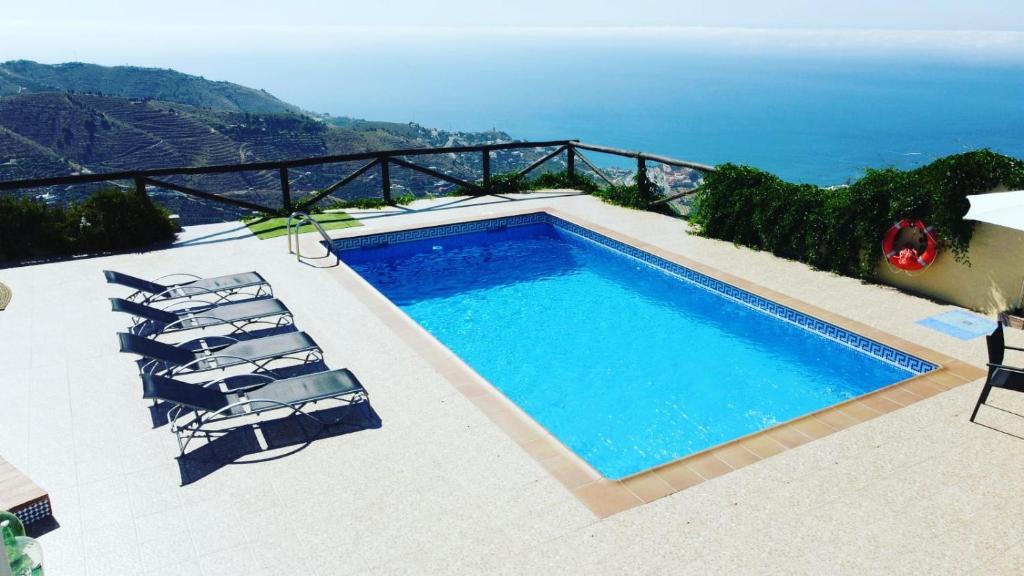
[(908, 258)]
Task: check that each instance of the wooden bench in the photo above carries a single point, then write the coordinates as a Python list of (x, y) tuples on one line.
[(21, 496)]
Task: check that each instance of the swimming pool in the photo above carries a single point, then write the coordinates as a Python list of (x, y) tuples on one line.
[(630, 360)]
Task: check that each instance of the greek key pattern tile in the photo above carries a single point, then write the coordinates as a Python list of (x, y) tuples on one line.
[(825, 329)]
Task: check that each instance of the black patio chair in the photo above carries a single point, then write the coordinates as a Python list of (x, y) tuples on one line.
[(220, 352), (150, 321), (999, 374), (199, 409), (219, 288)]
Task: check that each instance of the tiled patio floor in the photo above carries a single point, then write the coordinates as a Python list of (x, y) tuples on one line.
[(438, 488)]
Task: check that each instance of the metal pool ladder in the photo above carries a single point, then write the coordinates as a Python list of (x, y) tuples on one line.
[(301, 218)]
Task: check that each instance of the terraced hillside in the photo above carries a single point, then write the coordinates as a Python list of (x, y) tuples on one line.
[(24, 76), (62, 132)]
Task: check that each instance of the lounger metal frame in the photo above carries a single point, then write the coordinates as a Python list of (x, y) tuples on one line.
[(263, 290), (315, 354), (196, 427), (285, 318)]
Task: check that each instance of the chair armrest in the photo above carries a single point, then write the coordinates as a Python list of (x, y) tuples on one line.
[(179, 305), (267, 379), (186, 275), (181, 323), (217, 356), (168, 293), (212, 343), (1006, 368)]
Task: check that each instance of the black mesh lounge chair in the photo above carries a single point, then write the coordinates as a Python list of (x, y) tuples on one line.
[(999, 375), (218, 288), (150, 321), (199, 407), (220, 352)]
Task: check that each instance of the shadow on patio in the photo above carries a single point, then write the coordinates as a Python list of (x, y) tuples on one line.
[(274, 439)]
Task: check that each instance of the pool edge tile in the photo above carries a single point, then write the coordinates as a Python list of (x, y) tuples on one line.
[(788, 435), (762, 445), (607, 497), (568, 472), (708, 465), (678, 475), (735, 455), (649, 487)]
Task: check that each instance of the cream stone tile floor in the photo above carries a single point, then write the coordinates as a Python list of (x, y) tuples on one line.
[(439, 488)]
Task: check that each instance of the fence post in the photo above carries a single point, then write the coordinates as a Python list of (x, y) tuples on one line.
[(570, 160), (643, 183), (140, 186), (286, 189), (487, 168), (385, 179)]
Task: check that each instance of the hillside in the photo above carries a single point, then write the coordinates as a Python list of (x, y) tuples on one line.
[(23, 76), (50, 133)]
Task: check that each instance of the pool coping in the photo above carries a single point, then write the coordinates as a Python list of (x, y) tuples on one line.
[(605, 497)]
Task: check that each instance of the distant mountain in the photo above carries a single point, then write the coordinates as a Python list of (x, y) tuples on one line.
[(66, 119), (23, 76)]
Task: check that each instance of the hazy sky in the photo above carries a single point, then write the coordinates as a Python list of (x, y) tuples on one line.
[(904, 14), (202, 35)]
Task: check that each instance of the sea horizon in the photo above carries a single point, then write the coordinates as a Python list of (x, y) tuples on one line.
[(816, 106)]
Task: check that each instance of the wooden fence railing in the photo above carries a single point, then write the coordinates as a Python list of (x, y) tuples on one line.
[(380, 160)]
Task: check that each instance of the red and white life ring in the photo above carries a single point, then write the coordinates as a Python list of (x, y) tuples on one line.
[(908, 258)]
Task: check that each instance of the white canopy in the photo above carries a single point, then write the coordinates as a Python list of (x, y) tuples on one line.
[(1000, 208)]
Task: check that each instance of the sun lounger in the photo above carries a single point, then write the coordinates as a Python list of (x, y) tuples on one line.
[(218, 288), (198, 407), (220, 352), (999, 374), (150, 321)]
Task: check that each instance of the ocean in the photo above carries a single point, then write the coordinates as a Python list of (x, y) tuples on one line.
[(809, 110)]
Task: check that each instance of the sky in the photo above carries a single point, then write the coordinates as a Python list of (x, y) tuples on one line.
[(180, 33), (887, 14), (221, 39), (186, 34)]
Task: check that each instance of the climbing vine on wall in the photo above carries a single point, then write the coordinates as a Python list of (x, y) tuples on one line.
[(840, 228)]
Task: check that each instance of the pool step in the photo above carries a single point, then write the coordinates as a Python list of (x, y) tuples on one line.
[(20, 495)]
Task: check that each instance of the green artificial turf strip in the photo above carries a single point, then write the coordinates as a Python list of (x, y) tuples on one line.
[(265, 228)]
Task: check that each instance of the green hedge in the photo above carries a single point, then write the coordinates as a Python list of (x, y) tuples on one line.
[(840, 229), (360, 204), (638, 195), (513, 182), (109, 220)]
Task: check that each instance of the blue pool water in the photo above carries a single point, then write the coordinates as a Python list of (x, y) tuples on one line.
[(626, 364)]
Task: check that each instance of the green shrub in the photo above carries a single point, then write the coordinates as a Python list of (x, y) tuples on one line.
[(360, 203), (30, 228), (637, 195), (405, 199), (113, 220), (577, 181), (501, 183), (513, 182), (840, 229), (109, 220), (370, 203), (507, 183)]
